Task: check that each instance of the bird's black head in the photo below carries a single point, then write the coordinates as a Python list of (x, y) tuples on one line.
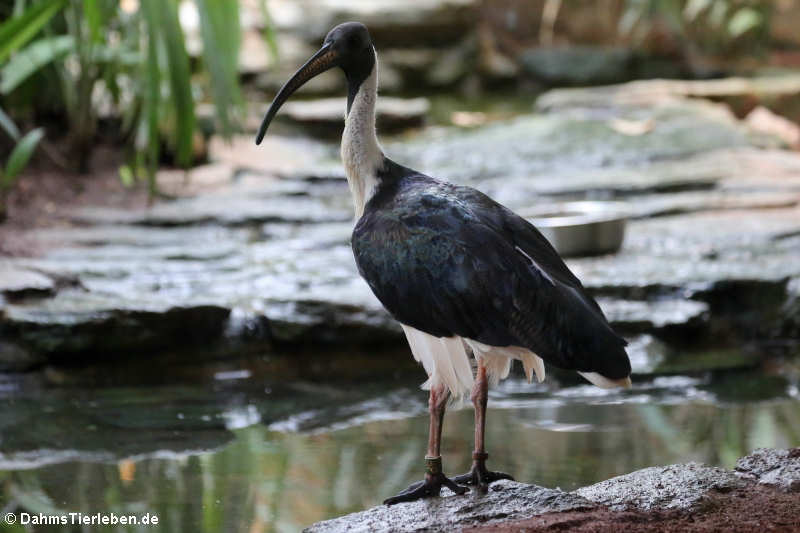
[(347, 46)]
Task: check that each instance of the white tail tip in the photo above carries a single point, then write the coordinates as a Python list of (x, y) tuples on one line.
[(604, 382)]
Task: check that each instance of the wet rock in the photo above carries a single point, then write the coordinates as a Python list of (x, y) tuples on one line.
[(67, 328), (275, 154), (776, 468), (324, 117), (763, 120), (254, 53), (632, 316), (506, 500), (657, 494), (225, 209), (426, 67), (15, 358), (297, 322), (565, 152), (294, 51), (198, 180), (669, 204), (651, 355), (16, 282), (682, 486), (269, 258), (391, 23), (734, 245), (780, 94), (578, 65), (681, 362)]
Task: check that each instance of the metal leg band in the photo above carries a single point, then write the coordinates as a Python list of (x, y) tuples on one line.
[(433, 465)]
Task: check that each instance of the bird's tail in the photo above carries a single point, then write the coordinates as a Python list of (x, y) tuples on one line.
[(444, 359)]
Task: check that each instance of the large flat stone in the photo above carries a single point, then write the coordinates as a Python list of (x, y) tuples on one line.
[(682, 486), (391, 22), (324, 117), (506, 500), (776, 468), (658, 495), (17, 282), (577, 142)]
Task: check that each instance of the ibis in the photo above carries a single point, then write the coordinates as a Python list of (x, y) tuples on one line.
[(464, 275)]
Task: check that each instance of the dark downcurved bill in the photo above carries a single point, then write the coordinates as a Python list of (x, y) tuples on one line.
[(323, 60)]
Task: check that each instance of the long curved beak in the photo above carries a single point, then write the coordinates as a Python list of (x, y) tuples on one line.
[(323, 60)]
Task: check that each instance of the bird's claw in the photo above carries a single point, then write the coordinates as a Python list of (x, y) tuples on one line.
[(478, 476), (431, 486)]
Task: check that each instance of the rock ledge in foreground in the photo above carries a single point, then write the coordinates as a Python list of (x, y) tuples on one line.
[(655, 493), (506, 500)]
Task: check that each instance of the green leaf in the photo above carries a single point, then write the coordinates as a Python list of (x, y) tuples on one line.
[(117, 54), (694, 8), (152, 100), (628, 20), (180, 81), (718, 13), (17, 31), (31, 58), (94, 19), (8, 125), (221, 41), (21, 155), (126, 176), (744, 20), (270, 35)]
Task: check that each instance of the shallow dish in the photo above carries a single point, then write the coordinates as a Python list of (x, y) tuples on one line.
[(581, 228)]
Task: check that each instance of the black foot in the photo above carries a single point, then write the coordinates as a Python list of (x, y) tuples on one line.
[(430, 486), (479, 476)]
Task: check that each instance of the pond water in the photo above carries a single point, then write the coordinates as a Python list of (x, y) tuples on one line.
[(234, 455)]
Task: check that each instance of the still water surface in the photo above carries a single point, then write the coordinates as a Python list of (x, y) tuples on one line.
[(239, 457)]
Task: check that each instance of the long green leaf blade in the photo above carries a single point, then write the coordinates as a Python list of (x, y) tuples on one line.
[(17, 31), (21, 155), (221, 42), (744, 20), (94, 19), (152, 101), (270, 34), (8, 125), (180, 82), (31, 58)]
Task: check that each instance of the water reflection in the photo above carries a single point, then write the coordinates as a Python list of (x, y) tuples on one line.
[(293, 468)]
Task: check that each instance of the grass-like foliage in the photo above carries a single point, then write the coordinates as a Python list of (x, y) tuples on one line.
[(86, 60)]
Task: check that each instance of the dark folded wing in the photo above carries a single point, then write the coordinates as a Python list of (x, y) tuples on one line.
[(458, 263)]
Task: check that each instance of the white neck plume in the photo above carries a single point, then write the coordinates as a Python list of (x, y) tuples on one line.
[(361, 153)]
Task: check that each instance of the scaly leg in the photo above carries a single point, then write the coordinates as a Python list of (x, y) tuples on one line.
[(478, 474), (434, 478)]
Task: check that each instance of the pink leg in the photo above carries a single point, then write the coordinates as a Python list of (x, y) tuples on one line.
[(434, 478), (478, 474)]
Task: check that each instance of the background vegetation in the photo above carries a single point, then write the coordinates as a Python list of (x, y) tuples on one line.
[(74, 70), (71, 65)]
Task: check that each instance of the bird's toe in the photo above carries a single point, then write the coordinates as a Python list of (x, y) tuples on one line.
[(479, 477), (430, 486)]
